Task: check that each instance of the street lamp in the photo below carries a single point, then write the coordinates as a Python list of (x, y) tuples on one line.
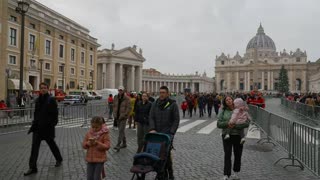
[(91, 73), (41, 66), (8, 71), (62, 65), (23, 6)]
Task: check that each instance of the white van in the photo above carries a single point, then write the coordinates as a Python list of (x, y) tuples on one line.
[(105, 92)]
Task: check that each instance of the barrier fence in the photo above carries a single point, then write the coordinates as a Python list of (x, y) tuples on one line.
[(16, 120), (301, 142), (303, 109)]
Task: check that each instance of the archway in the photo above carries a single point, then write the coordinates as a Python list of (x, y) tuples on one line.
[(298, 84)]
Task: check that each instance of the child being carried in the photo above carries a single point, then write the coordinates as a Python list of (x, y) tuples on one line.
[(240, 115)]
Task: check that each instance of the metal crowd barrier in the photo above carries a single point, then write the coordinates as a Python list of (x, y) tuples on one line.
[(303, 109), (301, 142), (16, 120)]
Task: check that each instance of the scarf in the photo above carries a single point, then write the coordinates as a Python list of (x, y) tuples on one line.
[(97, 135)]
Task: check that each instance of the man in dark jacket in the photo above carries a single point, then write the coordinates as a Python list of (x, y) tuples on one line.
[(43, 128), (164, 118), (141, 112)]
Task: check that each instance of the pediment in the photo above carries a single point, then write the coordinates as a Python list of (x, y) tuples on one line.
[(128, 53)]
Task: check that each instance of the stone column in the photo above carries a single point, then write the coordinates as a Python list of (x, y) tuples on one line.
[(120, 75), (272, 81), (237, 81), (245, 81), (229, 81), (111, 75), (218, 88), (262, 80), (104, 78), (249, 81), (132, 88), (290, 76), (268, 81)]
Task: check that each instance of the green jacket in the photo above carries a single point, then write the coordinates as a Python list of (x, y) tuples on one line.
[(223, 119)]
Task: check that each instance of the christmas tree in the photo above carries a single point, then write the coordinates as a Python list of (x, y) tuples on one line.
[(283, 85)]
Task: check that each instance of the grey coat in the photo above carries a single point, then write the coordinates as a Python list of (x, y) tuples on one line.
[(164, 116)]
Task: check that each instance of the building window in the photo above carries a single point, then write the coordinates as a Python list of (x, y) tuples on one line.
[(82, 57), (32, 40), (48, 47), (48, 32), (12, 59), (72, 54), (91, 49), (82, 45), (91, 60), (60, 83), (251, 62), (297, 59), (72, 85), (82, 72), (61, 51), (47, 81), (32, 26), (222, 62), (72, 71), (47, 66), (60, 37), (72, 41), (32, 63), (61, 69), (13, 37), (13, 18)]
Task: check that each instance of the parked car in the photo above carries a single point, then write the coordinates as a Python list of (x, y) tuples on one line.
[(85, 93), (72, 99), (95, 94)]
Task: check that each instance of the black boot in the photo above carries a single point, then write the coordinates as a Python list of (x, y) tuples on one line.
[(30, 171)]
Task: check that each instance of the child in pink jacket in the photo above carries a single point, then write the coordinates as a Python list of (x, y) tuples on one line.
[(97, 143), (240, 115)]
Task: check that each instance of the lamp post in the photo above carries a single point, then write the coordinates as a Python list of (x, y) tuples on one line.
[(41, 66), (62, 76), (91, 73), (23, 6), (8, 71)]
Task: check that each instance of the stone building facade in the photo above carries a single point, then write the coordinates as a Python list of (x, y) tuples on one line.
[(152, 80), (260, 67), (120, 68), (63, 47)]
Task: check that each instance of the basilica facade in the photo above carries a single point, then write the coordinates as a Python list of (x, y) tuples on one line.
[(260, 66)]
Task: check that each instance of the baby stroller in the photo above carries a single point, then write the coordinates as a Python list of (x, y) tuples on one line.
[(153, 158)]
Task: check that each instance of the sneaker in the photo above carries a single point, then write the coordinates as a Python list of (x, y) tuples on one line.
[(235, 176), (225, 177), (227, 136), (243, 140)]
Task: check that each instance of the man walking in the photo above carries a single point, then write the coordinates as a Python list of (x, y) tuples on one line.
[(121, 111), (164, 118), (43, 128)]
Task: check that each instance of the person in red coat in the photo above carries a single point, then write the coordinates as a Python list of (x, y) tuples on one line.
[(184, 106)]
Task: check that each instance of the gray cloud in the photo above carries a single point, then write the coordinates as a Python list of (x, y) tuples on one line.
[(185, 36)]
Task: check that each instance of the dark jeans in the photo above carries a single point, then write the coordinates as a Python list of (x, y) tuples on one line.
[(36, 141), (184, 112), (201, 109), (228, 144), (110, 111), (190, 111), (142, 130), (209, 111), (94, 171)]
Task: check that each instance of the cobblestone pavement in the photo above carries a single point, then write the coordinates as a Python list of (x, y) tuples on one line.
[(198, 155)]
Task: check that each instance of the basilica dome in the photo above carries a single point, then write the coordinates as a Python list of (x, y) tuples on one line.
[(261, 41)]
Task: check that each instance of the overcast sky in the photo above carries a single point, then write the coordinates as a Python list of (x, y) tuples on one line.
[(184, 36)]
